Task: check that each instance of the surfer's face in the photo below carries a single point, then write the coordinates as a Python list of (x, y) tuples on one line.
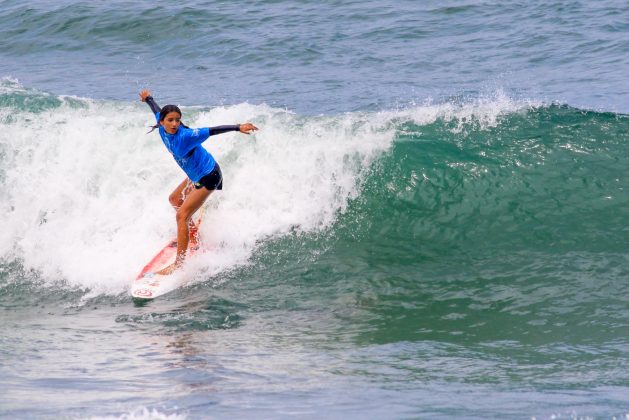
[(171, 122)]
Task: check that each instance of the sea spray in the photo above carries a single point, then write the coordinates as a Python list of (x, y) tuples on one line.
[(85, 188)]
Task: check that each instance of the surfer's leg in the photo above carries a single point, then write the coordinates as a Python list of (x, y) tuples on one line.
[(193, 201), (177, 197)]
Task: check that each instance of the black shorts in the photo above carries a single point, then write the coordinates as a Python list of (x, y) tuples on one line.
[(211, 181)]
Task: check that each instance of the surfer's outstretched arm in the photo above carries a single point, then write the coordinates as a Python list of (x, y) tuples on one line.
[(145, 96), (246, 128)]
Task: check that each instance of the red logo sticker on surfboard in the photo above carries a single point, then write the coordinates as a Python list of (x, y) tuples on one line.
[(142, 293)]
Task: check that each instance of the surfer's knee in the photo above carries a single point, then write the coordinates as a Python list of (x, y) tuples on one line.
[(183, 215), (175, 199)]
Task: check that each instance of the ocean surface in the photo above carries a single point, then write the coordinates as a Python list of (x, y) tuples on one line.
[(430, 223)]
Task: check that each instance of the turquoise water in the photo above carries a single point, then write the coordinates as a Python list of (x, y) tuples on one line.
[(429, 224)]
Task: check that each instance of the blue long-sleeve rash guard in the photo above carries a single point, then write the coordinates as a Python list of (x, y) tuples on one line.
[(185, 145)]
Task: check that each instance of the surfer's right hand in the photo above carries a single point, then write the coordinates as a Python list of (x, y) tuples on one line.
[(247, 128), (144, 93)]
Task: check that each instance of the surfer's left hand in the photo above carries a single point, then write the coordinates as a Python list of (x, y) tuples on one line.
[(144, 93), (247, 128)]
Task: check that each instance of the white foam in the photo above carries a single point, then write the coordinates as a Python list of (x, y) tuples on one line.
[(480, 113), (85, 191), (142, 414), (9, 84)]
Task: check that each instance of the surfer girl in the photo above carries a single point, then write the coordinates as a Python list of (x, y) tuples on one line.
[(203, 173)]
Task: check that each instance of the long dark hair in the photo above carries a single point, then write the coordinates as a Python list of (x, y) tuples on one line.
[(165, 111)]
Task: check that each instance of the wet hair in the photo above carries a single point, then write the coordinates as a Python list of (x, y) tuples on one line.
[(165, 111)]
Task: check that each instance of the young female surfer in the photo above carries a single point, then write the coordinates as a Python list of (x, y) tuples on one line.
[(203, 173)]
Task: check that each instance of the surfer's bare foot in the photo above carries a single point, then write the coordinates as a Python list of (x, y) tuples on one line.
[(168, 270)]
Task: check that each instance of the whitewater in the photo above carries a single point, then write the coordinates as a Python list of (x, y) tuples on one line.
[(104, 209)]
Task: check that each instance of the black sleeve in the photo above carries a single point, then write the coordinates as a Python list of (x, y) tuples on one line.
[(151, 102), (223, 129)]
